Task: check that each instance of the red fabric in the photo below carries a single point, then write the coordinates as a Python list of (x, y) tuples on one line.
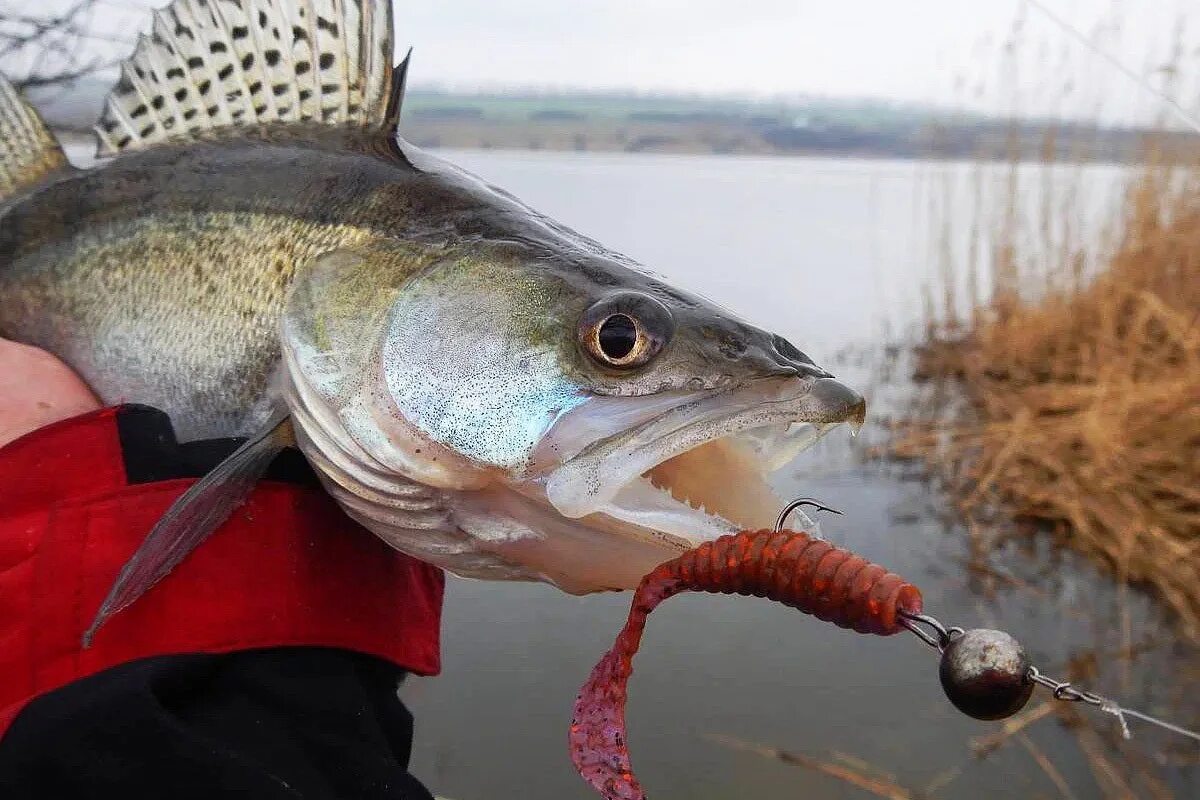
[(288, 568)]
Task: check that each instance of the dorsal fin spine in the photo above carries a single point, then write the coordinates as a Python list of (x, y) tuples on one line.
[(129, 73), (242, 92), (164, 114), (23, 129), (105, 142), (188, 18), (288, 60), (330, 105), (162, 33), (309, 15), (120, 110), (260, 60), (374, 53), (395, 101), (343, 54), (312, 76)]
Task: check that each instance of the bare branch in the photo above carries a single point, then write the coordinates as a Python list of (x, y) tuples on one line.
[(64, 76), (55, 48)]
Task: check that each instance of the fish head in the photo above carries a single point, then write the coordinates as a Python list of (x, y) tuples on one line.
[(506, 410)]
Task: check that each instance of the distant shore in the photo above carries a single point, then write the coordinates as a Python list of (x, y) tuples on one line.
[(735, 137), (593, 122)]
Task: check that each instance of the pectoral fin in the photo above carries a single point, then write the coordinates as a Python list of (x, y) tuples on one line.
[(193, 517)]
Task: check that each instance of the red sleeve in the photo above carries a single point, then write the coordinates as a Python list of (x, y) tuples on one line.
[(288, 568)]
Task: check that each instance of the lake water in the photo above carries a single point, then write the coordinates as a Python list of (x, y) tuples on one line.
[(833, 255)]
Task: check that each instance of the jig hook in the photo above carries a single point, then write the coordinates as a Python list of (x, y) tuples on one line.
[(797, 503)]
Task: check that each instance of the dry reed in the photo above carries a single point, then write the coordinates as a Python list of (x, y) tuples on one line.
[(1079, 408)]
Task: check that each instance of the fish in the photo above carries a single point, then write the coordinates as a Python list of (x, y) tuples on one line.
[(259, 253)]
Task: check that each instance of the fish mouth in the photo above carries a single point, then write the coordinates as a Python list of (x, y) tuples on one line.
[(699, 469), (614, 487)]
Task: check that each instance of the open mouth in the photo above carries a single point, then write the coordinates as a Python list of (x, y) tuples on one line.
[(699, 469)]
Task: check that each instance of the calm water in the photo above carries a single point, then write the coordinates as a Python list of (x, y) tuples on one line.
[(832, 254)]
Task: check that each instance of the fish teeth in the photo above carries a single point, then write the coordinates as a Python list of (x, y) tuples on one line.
[(687, 501)]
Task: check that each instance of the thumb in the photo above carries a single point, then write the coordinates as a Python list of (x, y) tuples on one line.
[(37, 389)]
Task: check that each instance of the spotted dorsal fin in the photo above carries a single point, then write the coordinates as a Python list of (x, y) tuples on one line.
[(209, 65)]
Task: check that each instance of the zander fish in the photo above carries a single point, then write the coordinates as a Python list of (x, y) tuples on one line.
[(480, 386)]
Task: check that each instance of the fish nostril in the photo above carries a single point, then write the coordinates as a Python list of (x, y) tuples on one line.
[(796, 359), (790, 351)]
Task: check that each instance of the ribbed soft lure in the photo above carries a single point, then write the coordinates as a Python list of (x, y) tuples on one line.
[(792, 568)]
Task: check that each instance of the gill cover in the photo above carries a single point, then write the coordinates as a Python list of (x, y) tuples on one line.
[(445, 367), (333, 332), (384, 467)]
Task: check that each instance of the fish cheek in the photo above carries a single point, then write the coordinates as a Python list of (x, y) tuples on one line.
[(332, 332), (475, 356)]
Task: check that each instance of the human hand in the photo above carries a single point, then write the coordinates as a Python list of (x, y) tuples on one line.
[(37, 389)]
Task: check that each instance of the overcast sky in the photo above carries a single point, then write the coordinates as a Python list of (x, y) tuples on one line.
[(948, 52), (942, 51)]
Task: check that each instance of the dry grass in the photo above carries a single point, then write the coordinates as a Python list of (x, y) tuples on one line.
[(853, 771), (1080, 408)]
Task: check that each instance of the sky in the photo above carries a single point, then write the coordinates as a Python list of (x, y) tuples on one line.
[(947, 52), (942, 52)]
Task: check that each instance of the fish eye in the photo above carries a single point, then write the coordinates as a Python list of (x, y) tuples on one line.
[(617, 337), (625, 330)]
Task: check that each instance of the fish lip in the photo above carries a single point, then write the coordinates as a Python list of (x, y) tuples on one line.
[(591, 480)]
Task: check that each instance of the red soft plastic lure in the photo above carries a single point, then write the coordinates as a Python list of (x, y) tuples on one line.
[(786, 566)]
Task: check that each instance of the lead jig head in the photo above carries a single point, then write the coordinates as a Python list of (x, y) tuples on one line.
[(985, 674)]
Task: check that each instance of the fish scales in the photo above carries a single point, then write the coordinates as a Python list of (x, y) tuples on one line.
[(186, 254), (263, 255)]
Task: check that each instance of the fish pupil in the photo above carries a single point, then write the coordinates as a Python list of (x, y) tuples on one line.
[(617, 336)]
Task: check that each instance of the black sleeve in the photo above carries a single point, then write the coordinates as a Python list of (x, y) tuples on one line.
[(277, 723)]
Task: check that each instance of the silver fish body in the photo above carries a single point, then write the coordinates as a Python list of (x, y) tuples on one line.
[(160, 275), (479, 385)]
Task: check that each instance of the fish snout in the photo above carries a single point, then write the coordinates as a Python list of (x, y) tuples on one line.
[(837, 402)]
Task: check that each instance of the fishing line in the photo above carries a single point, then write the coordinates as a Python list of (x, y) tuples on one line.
[(1184, 115), (939, 637)]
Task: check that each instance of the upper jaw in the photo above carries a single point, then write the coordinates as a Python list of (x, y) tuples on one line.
[(747, 432)]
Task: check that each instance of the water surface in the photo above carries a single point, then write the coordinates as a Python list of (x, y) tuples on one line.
[(833, 255)]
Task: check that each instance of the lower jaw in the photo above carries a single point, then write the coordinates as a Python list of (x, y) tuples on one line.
[(590, 554), (615, 547)]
